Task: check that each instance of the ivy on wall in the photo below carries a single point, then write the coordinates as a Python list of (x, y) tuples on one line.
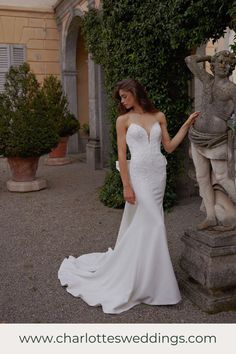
[(148, 41)]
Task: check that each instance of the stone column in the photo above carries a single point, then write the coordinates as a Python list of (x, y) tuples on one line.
[(93, 148), (70, 87), (104, 123)]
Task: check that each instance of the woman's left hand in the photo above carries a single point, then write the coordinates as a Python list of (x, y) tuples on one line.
[(191, 119)]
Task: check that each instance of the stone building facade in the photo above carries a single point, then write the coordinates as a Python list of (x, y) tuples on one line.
[(46, 34), (82, 80)]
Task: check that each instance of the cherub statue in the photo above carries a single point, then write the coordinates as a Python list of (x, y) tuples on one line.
[(213, 141)]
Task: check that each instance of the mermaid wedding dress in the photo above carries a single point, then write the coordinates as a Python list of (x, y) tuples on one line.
[(138, 269)]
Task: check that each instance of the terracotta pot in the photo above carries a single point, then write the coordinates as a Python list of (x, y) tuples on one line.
[(23, 169), (61, 149)]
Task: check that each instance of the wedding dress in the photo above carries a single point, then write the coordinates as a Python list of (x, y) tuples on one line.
[(138, 269)]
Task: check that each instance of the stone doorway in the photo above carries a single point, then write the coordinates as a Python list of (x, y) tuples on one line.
[(83, 84), (82, 92)]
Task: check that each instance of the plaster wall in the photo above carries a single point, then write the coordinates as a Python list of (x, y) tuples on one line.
[(37, 30), (29, 3)]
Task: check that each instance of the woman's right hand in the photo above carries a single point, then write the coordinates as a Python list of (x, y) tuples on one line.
[(129, 194), (191, 119)]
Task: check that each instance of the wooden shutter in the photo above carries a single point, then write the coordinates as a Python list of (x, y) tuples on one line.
[(4, 63), (10, 54), (17, 54)]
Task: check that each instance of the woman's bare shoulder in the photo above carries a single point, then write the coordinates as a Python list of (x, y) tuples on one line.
[(122, 120), (161, 118)]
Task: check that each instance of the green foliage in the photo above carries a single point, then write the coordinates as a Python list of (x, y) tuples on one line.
[(57, 102), (85, 128), (27, 127), (148, 41), (111, 194), (233, 46), (70, 125), (232, 13)]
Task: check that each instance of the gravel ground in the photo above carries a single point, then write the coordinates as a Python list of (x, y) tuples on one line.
[(39, 229)]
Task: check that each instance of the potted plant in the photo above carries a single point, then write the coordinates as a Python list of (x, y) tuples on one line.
[(66, 122), (27, 128), (84, 136), (85, 129)]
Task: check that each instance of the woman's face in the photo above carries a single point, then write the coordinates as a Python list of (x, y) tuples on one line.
[(127, 99)]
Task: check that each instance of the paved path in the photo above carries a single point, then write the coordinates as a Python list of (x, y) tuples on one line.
[(39, 229)]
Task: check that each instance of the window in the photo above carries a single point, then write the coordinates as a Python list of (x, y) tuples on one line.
[(10, 54)]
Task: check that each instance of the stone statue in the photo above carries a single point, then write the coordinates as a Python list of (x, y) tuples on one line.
[(213, 141)]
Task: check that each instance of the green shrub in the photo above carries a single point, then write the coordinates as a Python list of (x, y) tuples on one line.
[(85, 128), (111, 194), (148, 41), (27, 127), (66, 122), (69, 126)]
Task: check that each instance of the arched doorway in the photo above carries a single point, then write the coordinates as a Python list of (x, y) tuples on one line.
[(70, 72), (82, 92), (83, 84)]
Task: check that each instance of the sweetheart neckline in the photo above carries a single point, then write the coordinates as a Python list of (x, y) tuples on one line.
[(139, 125)]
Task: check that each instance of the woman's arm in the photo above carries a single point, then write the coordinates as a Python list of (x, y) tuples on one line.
[(121, 128), (171, 144)]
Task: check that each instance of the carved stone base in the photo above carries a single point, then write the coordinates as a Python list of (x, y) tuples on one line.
[(221, 300), (93, 152), (31, 186), (209, 262), (57, 161)]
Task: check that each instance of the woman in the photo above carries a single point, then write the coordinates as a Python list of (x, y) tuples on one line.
[(139, 269)]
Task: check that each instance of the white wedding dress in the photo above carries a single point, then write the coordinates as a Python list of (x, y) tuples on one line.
[(138, 269)]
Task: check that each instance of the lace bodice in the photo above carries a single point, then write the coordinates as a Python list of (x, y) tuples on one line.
[(143, 146)]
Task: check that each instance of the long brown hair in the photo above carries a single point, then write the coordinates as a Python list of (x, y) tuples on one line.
[(139, 93)]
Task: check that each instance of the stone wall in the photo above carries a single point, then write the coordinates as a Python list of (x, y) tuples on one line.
[(37, 30)]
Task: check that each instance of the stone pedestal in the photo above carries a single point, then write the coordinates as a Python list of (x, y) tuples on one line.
[(93, 152), (57, 161), (30, 186), (209, 263)]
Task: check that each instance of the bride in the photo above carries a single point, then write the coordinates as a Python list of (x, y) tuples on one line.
[(138, 269)]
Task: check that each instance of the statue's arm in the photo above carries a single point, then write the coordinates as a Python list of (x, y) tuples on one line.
[(193, 61), (234, 100), (232, 94)]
